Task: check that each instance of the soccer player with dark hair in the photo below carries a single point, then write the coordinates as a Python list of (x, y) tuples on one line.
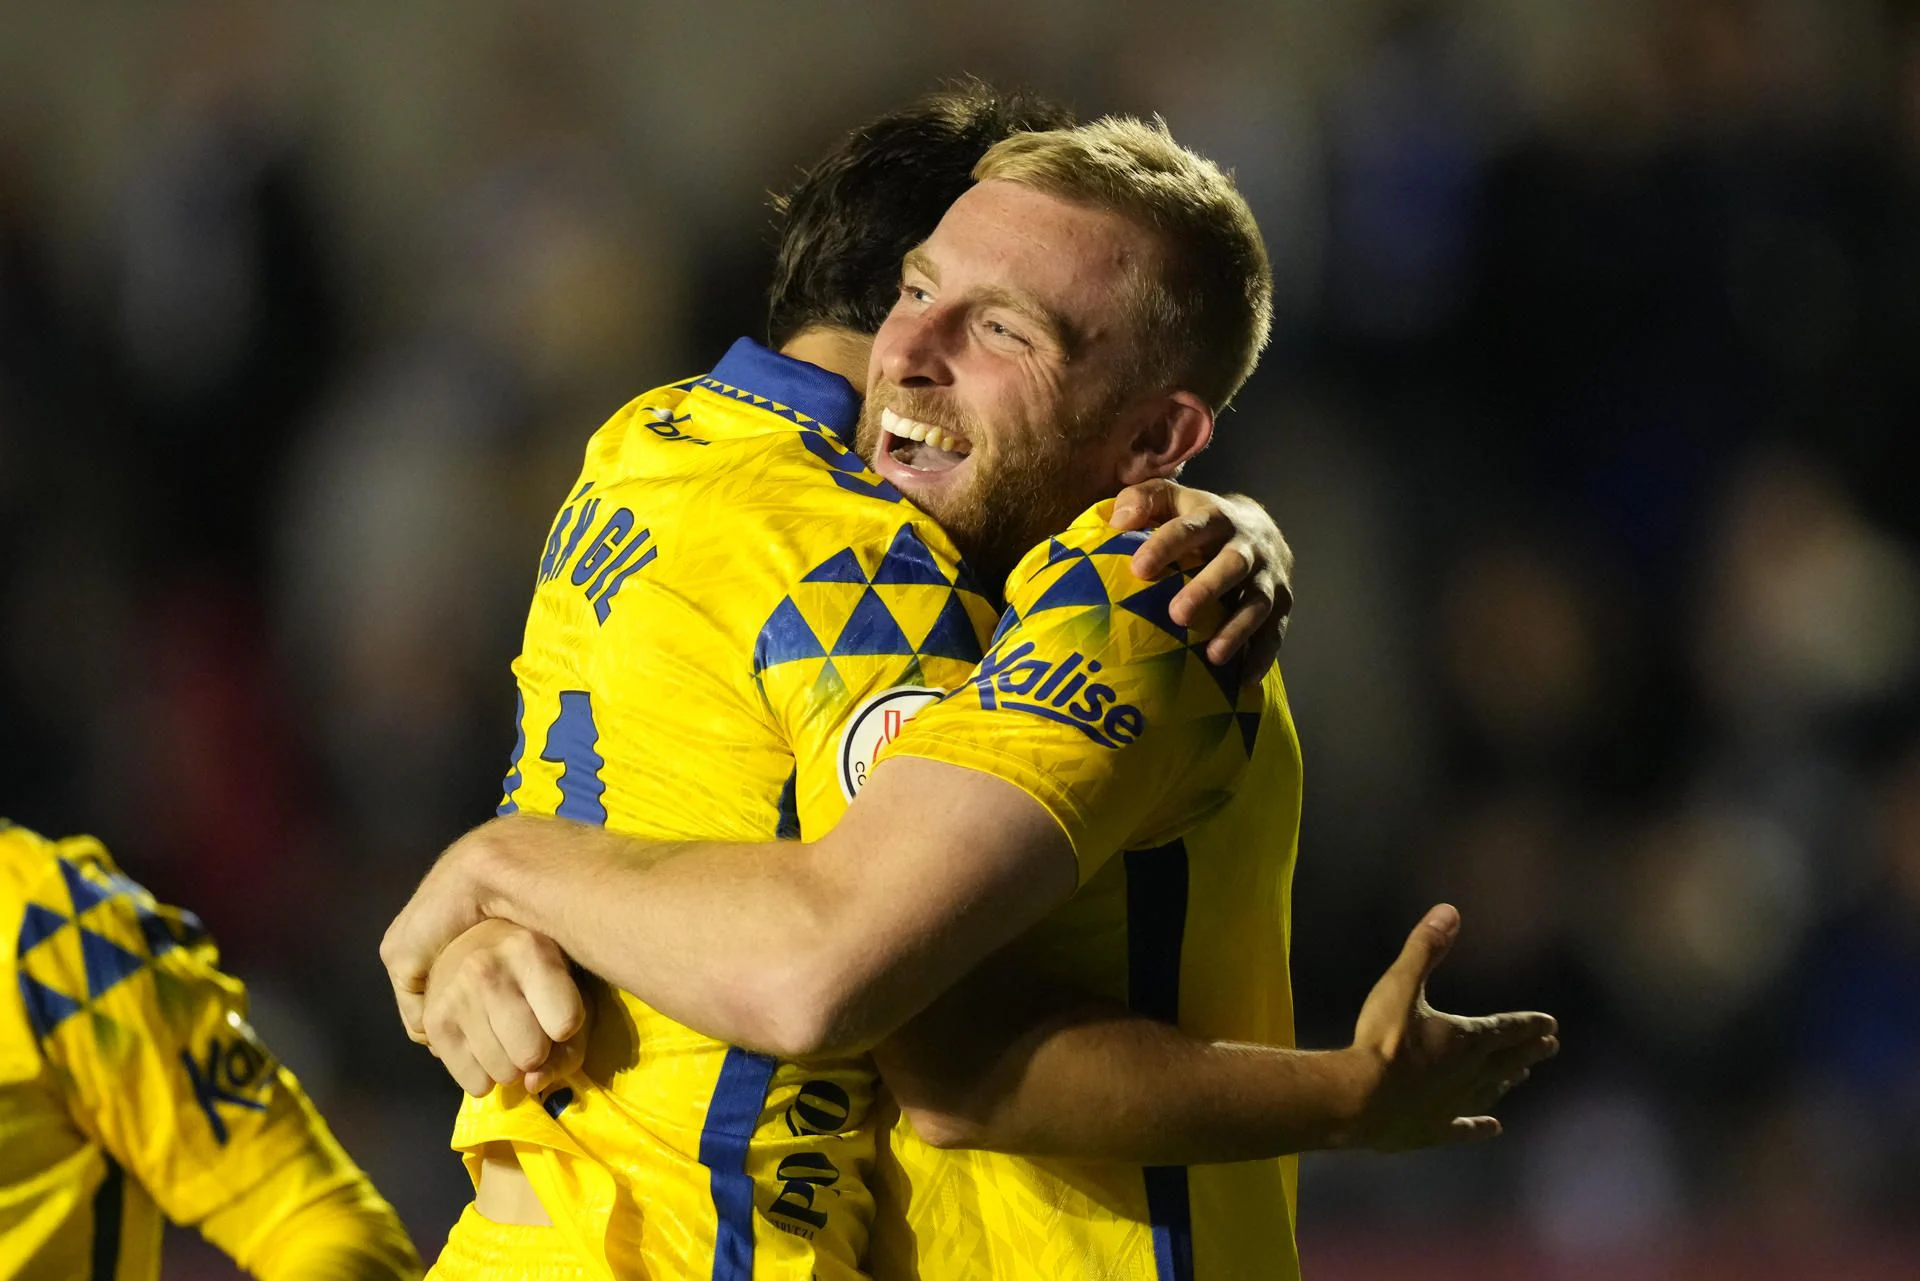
[(847, 225), (1071, 325), (730, 611), (132, 1089)]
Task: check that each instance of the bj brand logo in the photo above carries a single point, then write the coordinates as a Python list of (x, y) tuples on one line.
[(1061, 691)]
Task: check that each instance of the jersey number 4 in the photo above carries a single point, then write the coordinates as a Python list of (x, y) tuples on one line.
[(573, 742)]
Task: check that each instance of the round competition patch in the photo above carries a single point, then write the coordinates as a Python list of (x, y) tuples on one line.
[(878, 722)]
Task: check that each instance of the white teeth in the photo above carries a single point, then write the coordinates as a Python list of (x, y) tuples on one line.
[(909, 429)]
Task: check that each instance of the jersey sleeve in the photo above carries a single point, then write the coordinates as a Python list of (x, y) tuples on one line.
[(316, 1216), (875, 632), (1093, 701), (149, 1039)]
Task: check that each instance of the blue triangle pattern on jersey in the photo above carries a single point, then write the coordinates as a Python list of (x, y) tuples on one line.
[(1151, 603), (966, 582), (189, 928), (841, 567), (1080, 585), (952, 635), (156, 930), (785, 638), (1226, 675), (909, 561), (1249, 728), (1058, 551), (871, 629), (107, 962), (1122, 544), (83, 892), (38, 926), (1008, 621), (46, 1008), (875, 488)]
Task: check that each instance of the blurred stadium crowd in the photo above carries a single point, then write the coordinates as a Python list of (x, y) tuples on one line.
[(1593, 414)]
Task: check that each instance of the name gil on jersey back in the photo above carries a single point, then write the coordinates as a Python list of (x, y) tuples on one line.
[(605, 561)]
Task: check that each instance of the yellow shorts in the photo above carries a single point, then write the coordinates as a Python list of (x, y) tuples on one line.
[(478, 1249)]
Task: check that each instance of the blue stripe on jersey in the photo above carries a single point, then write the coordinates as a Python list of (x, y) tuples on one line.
[(572, 743), (1156, 923), (108, 1204), (508, 805), (1171, 1214), (732, 1117)]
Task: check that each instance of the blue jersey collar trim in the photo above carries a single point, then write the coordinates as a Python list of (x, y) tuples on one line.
[(826, 398)]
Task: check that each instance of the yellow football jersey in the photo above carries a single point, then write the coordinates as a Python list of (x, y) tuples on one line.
[(1097, 704), (731, 612), (132, 1086)]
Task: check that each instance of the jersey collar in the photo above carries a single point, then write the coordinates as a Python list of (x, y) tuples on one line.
[(828, 399)]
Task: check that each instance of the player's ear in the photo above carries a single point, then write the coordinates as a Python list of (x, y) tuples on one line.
[(1173, 428)]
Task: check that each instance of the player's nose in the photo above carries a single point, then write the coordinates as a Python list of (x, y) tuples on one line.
[(916, 350)]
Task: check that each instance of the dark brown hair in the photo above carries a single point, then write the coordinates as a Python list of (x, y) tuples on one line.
[(850, 220)]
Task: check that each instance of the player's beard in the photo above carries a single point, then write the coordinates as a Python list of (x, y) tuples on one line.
[(1022, 486)]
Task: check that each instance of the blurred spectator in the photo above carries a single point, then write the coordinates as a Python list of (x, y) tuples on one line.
[(223, 326)]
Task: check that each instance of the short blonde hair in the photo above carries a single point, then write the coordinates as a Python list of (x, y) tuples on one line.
[(1205, 317)]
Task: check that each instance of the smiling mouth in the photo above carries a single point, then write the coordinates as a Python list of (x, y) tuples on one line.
[(920, 446)]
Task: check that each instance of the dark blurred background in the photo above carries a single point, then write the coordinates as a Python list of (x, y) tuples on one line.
[(1591, 412)]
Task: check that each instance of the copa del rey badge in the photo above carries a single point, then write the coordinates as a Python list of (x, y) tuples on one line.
[(877, 722)]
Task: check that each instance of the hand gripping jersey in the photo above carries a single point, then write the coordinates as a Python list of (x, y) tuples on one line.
[(731, 613), (131, 1086), (1097, 704)]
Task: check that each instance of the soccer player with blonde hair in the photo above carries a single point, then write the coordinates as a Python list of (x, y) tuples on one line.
[(1099, 806)]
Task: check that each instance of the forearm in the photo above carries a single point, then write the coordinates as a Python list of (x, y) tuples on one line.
[(309, 1222), (1013, 1064), (1103, 1084), (797, 948), (1011, 1061), (697, 930)]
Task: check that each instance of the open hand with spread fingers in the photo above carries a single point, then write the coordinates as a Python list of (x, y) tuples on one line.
[(1434, 1077)]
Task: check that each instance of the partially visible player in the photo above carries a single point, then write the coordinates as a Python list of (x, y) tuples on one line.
[(132, 1088)]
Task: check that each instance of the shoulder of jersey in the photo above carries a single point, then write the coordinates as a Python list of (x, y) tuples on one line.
[(696, 415), (865, 572), (851, 507), (1078, 590), (24, 858), (872, 579), (86, 926), (655, 415), (871, 575), (809, 447), (1089, 565)]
